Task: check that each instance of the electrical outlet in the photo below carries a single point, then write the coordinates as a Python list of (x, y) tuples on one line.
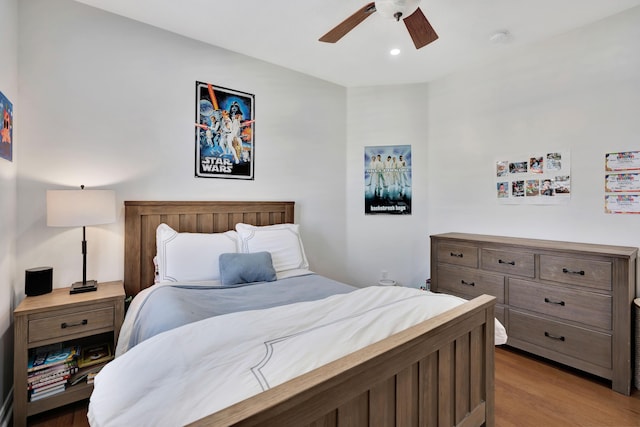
[(384, 274)]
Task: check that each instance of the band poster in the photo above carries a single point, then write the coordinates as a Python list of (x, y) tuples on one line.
[(224, 132), (6, 133), (536, 178), (387, 180), (622, 183)]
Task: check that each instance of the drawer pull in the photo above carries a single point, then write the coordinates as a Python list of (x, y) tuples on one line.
[(548, 301), (506, 262), (457, 255), (65, 325), (554, 337), (467, 283), (567, 271)]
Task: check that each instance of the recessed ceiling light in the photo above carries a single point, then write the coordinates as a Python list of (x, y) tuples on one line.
[(394, 52)]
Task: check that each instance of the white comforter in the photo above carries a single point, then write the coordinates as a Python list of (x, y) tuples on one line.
[(189, 372)]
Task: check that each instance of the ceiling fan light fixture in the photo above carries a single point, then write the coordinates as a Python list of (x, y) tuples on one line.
[(396, 9)]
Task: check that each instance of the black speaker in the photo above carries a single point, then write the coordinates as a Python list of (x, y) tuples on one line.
[(38, 281)]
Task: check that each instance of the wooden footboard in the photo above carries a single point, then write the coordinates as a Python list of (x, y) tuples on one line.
[(437, 373)]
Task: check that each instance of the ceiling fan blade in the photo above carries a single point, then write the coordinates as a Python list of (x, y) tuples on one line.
[(349, 24), (421, 32)]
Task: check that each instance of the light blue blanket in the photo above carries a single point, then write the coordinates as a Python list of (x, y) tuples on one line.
[(170, 306)]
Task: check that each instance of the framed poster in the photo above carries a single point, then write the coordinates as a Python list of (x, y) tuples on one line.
[(224, 133), (387, 180), (6, 132)]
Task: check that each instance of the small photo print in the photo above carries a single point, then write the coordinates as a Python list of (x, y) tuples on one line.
[(503, 190), (533, 187), (547, 188), (517, 188), (535, 164), (562, 185), (554, 161), (502, 168), (518, 167)]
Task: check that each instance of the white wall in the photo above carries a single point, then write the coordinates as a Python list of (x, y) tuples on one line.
[(110, 104), (8, 202), (579, 91), (382, 116)]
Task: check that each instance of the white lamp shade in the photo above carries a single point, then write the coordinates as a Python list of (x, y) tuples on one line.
[(388, 8), (74, 208)]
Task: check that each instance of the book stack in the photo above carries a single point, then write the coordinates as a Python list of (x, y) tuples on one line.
[(91, 360), (49, 370)]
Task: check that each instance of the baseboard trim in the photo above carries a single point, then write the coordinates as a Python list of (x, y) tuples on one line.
[(7, 410)]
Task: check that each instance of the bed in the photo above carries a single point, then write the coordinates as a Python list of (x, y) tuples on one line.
[(436, 371)]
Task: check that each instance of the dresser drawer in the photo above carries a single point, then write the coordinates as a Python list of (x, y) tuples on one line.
[(509, 262), (68, 324), (471, 283), (579, 343), (576, 271), (582, 307), (466, 256)]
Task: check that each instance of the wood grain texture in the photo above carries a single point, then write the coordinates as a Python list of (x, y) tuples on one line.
[(353, 384), (38, 321), (143, 217), (567, 301), (529, 392), (382, 380)]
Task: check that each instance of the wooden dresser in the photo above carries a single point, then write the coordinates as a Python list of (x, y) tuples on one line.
[(568, 302)]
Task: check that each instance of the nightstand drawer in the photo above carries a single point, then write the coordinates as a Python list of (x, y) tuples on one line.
[(511, 262), (63, 325), (577, 271)]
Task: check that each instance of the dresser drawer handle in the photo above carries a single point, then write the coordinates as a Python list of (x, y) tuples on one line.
[(468, 283), (65, 325), (457, 255), (554, 337), (567, 271), (506, 262), (548, 301)]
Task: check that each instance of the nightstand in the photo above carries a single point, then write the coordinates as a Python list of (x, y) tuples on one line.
[(59, 317)]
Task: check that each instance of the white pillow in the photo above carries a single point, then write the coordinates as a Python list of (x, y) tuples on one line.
[(184, 257), (282, 241)]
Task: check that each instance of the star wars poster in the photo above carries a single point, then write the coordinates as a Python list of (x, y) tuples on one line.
[(6, 133), (224, 132), (387, 180)]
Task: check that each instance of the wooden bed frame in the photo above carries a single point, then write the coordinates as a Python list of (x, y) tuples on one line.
[(437, 373)]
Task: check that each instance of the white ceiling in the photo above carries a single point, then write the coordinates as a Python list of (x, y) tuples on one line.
[(286, 32)]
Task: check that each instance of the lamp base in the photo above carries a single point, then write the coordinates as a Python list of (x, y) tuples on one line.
[(79, 287)]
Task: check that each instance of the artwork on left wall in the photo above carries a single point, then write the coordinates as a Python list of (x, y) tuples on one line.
[(224, 133), (6, 133)]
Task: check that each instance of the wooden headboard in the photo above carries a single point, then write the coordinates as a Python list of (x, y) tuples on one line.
[(142, 219)]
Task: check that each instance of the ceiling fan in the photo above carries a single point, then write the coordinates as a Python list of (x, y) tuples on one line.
[(421, 32)]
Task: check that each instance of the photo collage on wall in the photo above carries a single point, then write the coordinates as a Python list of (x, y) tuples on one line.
[(540, 178), (224, 133), (387, 180), (622, 183)]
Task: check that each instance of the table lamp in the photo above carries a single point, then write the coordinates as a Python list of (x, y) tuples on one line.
[(75, 208)]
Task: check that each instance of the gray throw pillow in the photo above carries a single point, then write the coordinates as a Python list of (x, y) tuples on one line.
[(236, 268)]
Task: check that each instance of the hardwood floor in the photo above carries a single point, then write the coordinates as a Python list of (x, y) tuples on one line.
[(529, 392)]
